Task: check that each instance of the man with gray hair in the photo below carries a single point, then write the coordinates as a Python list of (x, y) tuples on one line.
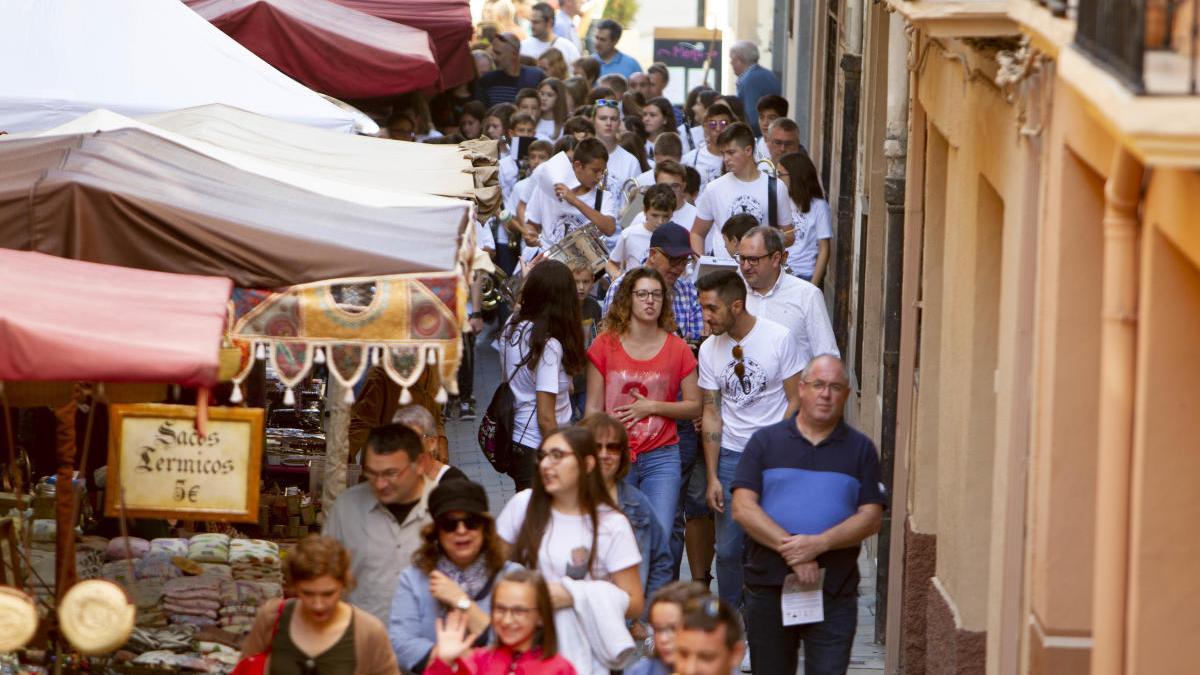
[(421, 421), (786, 299), (754, 81), (783, 137), (807, 491)]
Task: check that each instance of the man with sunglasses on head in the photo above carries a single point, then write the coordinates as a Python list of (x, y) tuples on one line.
[(749, 370), (380, 520), (808, 492), (789, 300), (744, 189)]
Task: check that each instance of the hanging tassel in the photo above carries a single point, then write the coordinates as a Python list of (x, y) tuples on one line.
[(441, 397), (431, 358), (235, 396), (289, 397), (349, 397), (405, 397), (202, 411), (319, 355), (260, 352)]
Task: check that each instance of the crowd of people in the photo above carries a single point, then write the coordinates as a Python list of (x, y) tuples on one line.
[(686, 394)]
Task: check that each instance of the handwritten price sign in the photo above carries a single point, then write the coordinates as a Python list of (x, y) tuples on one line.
[(167, 470)]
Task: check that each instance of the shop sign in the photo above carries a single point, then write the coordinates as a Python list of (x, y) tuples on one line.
[(687, 52), (163, 468)]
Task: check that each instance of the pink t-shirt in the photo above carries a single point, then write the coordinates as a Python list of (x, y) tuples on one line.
[(657, 379)]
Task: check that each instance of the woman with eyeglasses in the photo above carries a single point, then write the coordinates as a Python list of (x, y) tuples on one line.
[(638, 368), (612, 451), (455, 569), (523, 621), (541, 347), (568, 526), (318, 631)]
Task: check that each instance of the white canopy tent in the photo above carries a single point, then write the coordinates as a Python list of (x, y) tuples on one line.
[(138, 58)]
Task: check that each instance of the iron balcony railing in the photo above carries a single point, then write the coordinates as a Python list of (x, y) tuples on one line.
[(1151, 45)]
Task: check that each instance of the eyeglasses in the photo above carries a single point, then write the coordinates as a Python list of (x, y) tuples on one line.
[(739, 368), (820, 387), (389, 475), (751, 260), (554, 454), (516, 611), (607, 103), (716, 124), (645, 295), (610, 448), (673, 261), (473, 521)]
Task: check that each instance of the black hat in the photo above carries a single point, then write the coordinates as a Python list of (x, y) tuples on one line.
[(457, 494)]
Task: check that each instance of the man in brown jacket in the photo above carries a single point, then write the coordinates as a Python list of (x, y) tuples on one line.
[(379, 401)]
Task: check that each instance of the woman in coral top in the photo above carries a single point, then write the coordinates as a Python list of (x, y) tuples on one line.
[(523, 621), (638, 369)]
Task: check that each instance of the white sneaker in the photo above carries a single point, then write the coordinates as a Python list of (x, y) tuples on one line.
[(746, 661)]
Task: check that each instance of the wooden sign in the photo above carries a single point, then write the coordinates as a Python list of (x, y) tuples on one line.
[(167, 470), (686, 52)]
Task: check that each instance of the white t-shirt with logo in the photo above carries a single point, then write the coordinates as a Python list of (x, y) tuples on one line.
[(708, 165), (751, 403), (534, 47), (567, 541), (727, 196), (549, 376), (557, 217), (810, 227)]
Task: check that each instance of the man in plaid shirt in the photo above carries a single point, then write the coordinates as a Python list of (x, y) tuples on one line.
[(670, 251)]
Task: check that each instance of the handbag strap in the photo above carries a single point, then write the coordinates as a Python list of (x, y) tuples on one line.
[(772, 207), (275, 628)]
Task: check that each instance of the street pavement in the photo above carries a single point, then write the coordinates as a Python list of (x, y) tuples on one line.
[(866, 657)]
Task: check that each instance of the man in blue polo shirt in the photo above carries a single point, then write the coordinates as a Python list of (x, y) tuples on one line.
[(612, 60), (807, 491)]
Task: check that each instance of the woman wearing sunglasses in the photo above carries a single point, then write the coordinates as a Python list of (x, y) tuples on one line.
[(455, 569), (568, 526), (638, 369), (707, 159)]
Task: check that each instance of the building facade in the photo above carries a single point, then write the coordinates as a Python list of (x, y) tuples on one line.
[(1016, 287)]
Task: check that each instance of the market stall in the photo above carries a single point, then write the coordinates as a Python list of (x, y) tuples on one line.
[(448, 23), (140, 58), (332, 49)]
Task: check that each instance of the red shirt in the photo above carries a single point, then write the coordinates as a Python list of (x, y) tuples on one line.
[(657, 379), (499, 661)]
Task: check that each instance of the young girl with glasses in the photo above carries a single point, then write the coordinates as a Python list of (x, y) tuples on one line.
[(523, 621)]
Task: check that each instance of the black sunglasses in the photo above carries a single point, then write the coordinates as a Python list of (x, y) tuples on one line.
[(473, 521)]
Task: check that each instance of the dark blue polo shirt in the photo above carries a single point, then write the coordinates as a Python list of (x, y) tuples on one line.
[(808, 489)]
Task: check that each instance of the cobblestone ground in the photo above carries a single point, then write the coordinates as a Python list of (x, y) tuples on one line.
[(867, 656)]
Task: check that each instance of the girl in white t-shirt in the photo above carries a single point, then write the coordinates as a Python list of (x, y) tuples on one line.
[(553, 99), (809, 253), (567, 525), (540, 350)]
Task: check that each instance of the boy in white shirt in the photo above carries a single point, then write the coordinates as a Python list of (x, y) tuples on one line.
[(707, 159), (634, 245), (744, 189), (666, 147), (549, 217), (770, 108), (539, 151), (519, 124)]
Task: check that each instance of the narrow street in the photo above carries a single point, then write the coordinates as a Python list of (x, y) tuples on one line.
[(867, 656)]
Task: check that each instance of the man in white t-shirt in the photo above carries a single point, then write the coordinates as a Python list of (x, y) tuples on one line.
[(541, 25), (749, 373), (549, 217), (744, 189), (666, 147), (706, 159), (790, 301)]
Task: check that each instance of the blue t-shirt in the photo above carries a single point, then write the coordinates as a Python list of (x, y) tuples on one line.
[(621, 64), (808, 489), (498, 86)]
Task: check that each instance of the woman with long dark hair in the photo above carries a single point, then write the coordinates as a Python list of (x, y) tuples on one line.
[(637, 369), (552, 96), (635, 145), (540, 349), (657, 117), (809, 253), (455, 569), (568, 526)]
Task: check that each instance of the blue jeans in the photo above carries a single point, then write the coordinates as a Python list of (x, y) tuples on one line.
[(656, 473), (774, 647), (691, 492), (731, 539)]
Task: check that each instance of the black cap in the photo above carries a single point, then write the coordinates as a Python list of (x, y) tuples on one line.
[(671, 238), (457, 494)]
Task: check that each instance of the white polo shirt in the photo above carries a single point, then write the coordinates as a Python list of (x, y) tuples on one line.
[(800, 307)]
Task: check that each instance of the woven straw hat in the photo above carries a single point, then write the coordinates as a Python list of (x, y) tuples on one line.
[(96, 616)]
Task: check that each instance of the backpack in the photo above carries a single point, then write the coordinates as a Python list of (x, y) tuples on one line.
[(496, 428)]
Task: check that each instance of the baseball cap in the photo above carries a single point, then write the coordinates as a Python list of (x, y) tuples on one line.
[(671, 238)]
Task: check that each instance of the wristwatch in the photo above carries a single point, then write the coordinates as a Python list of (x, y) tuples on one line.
[(464, 603)]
